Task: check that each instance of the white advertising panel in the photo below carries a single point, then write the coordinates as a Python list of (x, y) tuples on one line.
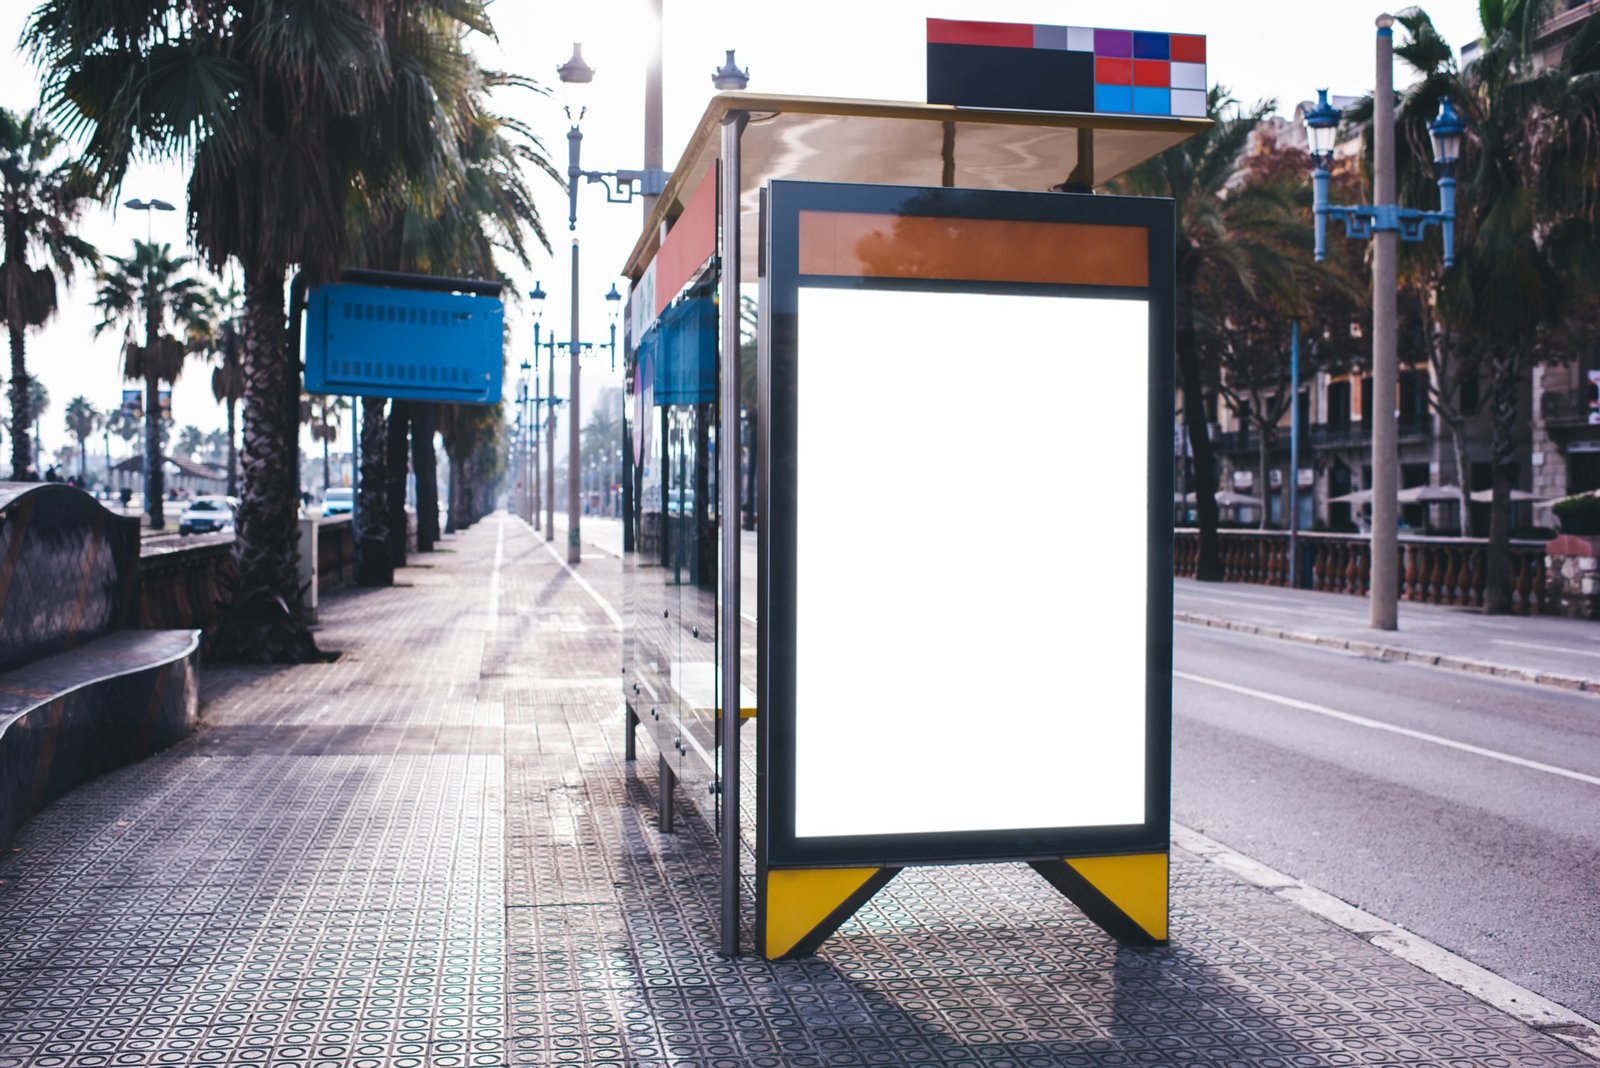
[(971, 561)]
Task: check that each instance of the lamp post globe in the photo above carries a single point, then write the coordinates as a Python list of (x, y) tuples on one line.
[(1322, 129), (1445, 132), (730, 76)]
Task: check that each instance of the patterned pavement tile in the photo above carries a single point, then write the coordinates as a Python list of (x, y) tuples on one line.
[(431, 852)]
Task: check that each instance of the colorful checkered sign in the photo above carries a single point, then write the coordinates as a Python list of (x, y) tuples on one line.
[(1066, 68)]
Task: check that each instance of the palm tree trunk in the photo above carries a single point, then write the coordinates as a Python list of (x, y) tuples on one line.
[(21, 452), (453, 495), (395, 467), (1503, 461), (424, 461), (374, 567), (83, 461), (1263, 488), (261, 621), (233, 452), (1458, 446), (327, 471), (154, 477), (1209, 567)]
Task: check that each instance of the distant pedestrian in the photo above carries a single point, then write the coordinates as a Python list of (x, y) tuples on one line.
[(51, 474)]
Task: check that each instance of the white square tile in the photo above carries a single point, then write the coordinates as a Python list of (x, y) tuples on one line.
[(1189, 76), (1080, 39), (1189, 103)]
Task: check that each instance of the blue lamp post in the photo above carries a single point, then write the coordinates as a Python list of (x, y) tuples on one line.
[(1361, 221), (1385, 224)]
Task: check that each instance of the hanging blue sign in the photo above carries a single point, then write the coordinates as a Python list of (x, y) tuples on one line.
[(410, 344)]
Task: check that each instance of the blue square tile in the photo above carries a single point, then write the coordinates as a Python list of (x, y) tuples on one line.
[(1113, 98), (1151, 46), (1147, 101)]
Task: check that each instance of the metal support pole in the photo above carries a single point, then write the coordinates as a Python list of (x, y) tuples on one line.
[(1383, 607), (355, 466), (652, 105), (574, 469), (533, 472), (1294, 456), (728, 520), (550, 452)]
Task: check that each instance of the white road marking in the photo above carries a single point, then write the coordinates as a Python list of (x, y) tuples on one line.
[(1549, 648), (494, 576), (1363, 721), (1516, 1001), (583, 583)]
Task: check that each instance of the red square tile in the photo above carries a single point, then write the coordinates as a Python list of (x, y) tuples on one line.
[(1113, 71), (1188, 48), (1002, 34), (1152, 72)]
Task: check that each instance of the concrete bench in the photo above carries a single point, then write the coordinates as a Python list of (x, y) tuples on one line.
[(71, 717), (81, 691)]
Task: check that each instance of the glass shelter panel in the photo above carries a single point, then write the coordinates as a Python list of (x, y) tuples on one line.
[(672, 570)]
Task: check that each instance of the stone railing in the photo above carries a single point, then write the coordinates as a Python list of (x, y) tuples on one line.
[(182, 581), (336, 553), (1447, 571)]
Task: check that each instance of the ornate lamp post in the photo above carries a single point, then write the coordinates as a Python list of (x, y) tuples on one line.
[(1386, 224)]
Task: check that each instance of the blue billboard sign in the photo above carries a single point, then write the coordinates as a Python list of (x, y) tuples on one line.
[(410, 344)]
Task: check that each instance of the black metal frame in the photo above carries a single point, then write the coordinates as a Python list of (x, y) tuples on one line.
[(777, 844)]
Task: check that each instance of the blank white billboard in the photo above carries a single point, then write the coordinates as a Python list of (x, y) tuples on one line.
[(971, 562)]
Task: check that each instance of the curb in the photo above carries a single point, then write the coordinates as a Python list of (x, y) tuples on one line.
[(1520, 1003), (1397, 654)]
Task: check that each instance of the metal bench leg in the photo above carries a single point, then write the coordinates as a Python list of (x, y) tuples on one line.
[(664, 800)]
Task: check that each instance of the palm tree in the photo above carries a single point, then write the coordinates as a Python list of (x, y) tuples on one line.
[(219, 333), (147, 289), (1528, 214), (38, 402), (275, 105), (324, 413), (40, 202), (83, 420), (441, 211), (191, 441), (1244, 232)]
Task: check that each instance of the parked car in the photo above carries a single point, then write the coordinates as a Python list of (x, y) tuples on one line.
[(338, 500), (206, 515)]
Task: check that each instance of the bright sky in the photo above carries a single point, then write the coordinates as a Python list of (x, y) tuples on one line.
[(845, 48)]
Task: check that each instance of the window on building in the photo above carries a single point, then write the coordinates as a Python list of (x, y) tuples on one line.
[(1339, 404), (1413, 402)]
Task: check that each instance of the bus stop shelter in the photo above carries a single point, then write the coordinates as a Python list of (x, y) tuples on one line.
[(946, 328)]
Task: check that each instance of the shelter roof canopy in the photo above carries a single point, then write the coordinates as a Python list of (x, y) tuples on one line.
[(897, 143)]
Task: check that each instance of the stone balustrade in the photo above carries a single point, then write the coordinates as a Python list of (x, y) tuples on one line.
[(1445, 571)]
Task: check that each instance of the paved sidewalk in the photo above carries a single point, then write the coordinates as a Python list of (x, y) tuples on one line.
[(430, 852), (1548, 650)]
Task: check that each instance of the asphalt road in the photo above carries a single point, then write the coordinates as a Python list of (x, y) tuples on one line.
[(1465, 809)]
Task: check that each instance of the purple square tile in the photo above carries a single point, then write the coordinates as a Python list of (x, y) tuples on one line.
[(1113, 43)]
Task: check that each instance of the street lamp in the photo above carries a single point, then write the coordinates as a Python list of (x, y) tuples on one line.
[(1386, 224), (152, 465), (613, 314), (621, 187), (148, 206), (730, 76), (537, 296)]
